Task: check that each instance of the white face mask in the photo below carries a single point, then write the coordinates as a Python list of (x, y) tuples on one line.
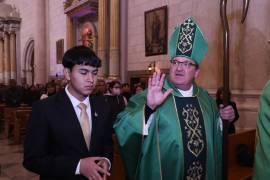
[(116, 90)]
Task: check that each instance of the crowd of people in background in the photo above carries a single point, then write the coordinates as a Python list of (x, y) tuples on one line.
[(117, 93), (14, 95)]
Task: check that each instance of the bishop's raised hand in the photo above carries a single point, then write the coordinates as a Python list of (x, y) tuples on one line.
[(155, 95)]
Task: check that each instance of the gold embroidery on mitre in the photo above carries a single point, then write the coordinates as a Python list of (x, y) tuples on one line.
[(185, 39)]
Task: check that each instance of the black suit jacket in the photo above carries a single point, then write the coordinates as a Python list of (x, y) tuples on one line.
[(54, 141)]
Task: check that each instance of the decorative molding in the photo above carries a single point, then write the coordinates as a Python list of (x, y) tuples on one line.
[(8, 12), (246, 100), (6, 28), (9, 27), (67, 3), (9, 18), (239, 93), (71, 5), (13, 28), (247, 107), (82, 8)]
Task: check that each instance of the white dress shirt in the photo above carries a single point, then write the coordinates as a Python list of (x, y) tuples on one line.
[(187, 93), (75, 102)]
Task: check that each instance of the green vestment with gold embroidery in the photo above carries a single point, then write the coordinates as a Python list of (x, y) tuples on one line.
[(262, 157), (184, 140)]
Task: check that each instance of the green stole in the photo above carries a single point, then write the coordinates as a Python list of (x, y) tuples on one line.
[(160, 155), (193, 137), (262, 156)]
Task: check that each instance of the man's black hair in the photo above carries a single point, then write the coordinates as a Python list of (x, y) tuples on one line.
[(80, 55)]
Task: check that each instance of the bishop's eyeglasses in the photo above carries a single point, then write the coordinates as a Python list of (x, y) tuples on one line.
[(184, 64)]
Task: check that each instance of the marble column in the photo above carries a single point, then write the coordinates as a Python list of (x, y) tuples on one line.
[(123, 40), (102, 37), (114, 40), (6, 58), (13, 67), (69, 35), (40, 55), (1, 60)]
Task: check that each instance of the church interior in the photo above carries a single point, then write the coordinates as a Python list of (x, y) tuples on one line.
[(131, 39)]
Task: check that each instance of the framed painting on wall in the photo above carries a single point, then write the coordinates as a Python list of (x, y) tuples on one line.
[(156, 31), (59, 51)]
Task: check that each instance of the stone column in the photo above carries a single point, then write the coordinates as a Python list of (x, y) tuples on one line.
[(6, 58), (102, 37), (114, 40), (69, 33), (40, 64), (13, 66), (123, 40), (1, 59)]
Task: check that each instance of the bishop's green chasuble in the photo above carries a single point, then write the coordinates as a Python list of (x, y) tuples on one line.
[(184, 140), (262, 156)]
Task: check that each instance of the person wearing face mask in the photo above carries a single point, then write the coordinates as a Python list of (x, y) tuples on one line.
[(117, 101)]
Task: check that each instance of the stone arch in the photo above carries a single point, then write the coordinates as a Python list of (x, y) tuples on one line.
[(29, 68)]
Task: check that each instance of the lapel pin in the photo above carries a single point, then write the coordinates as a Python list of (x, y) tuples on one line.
[(96, 115)]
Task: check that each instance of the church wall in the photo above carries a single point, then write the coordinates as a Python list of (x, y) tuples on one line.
[(54, 28), (26, 31), (250, 52), (249, 58), (41, 39), (57, 30)]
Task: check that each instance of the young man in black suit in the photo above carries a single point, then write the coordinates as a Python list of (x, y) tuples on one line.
[(69, 136)]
